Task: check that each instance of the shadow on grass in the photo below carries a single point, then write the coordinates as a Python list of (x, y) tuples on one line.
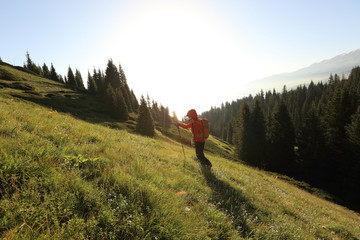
[(80, 106), (230, 201)]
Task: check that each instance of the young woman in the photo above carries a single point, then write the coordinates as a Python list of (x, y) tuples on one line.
[(198, 136)]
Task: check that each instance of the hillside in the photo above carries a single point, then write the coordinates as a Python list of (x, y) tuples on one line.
[(68, 172)]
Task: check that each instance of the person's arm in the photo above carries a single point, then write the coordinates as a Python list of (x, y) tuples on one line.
[(185, 126)]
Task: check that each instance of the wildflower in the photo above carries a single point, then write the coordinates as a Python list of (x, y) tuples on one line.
[(182, 192)]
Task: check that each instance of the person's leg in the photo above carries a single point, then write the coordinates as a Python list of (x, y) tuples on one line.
[(199, 147)]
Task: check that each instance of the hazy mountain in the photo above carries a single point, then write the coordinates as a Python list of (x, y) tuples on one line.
[(341, 65)]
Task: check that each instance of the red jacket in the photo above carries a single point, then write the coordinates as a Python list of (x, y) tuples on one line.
[(196, 126)]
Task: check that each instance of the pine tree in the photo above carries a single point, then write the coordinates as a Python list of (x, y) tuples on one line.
[(120, 107), (282, 140), (312, 151), (99, 81), (122, 75), (230, 132), (165, 119), (45, 71), (92, 88), (353, 131), (337, 115), (126, 94), (78, 80), (257, 136), (71, 78), (116, 103), (145, 122), (112, 75), (242, 133), (134, 101), (352, 178), (53, 75), (155, 111), (30, 65)]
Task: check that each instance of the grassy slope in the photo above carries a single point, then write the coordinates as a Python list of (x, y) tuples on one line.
[(62, 178)]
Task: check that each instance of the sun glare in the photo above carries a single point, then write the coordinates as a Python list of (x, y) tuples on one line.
[(179, 48)]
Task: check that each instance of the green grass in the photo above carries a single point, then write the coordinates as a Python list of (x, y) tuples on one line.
[(64, 176)]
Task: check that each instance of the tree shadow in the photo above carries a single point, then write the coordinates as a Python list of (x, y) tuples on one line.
[(79, 105), (231, 201)]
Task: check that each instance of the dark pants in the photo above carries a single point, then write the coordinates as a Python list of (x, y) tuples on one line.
[(199, 148)]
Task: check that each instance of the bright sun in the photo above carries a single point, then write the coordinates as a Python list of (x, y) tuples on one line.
[(179, 46)]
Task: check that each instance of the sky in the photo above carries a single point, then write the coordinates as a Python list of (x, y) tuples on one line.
[(185, 54)]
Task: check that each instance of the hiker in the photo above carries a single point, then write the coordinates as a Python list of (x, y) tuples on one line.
[(198, 136)]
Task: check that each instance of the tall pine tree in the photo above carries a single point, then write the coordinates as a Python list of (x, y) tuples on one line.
[(92, 87), (282, 140), (312, 151), (257, 136), (53, 75), (112, 75), (71, 78), (46, 71), (352, 178), (99, 81), (30, 65), (242, 134), (79, 80), (120, 107), (145, 122)]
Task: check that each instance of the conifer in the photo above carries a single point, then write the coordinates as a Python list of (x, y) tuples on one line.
[(78, 80), (99, 81), (145, 122), (242, 133), (122, 75), (120, 106), (282, 139), (71, 78), (229, 136), (155, 111), (353, 131), (257, 136), (92, 88), (30, 65), (53, 75), (165, 119), (112, 75), (134, 101), (312, 150), (125, 91), (45, 71)]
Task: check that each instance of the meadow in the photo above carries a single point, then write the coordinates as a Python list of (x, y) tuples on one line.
[(68, 172)]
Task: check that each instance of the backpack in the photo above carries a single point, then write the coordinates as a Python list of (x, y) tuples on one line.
[(206, 127)]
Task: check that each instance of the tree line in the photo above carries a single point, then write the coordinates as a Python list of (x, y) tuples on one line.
[(311, 133), (111, 88)]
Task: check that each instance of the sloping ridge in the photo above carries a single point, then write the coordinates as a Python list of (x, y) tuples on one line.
[(63, 178), (341, 65)]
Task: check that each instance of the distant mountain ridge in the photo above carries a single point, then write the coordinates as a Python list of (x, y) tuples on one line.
[(340, 64)]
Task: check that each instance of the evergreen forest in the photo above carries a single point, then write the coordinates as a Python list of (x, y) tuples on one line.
[(311, 133), (110, 88)]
